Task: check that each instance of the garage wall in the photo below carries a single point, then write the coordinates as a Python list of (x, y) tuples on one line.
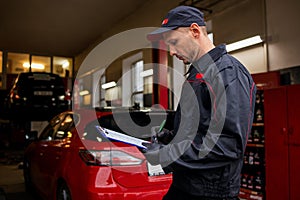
[(149, 15), (275, 20), (283, 31), (254, 58), (240, 22), (248, 18)]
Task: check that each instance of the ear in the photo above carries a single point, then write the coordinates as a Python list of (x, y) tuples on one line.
[(195, 30)]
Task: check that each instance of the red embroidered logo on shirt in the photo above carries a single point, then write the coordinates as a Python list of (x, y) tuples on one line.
[(199, 76)]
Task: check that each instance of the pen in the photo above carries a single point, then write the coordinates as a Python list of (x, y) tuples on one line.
[(162, 125)]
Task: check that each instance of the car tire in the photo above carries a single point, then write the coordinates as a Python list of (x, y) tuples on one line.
[(63, 192), (27, 177)]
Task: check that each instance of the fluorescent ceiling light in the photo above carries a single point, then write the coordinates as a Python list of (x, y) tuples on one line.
[(34, 65), (66, 64), (244, 43), (146, 73), (84, 92), (26, 65), (109, 85)]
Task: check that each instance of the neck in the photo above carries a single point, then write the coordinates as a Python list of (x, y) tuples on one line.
[(204, 47)]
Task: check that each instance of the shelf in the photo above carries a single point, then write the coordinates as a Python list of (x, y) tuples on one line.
[(251, 192), (253, 171), (255, 145), (258, 124), (251, 197)]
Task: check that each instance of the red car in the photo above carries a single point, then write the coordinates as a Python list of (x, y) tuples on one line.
[(71, 160)]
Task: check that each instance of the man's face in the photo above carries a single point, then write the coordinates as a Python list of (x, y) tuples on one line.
[(181, 44)]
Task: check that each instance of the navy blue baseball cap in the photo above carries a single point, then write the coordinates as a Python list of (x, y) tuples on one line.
[(181, 16)]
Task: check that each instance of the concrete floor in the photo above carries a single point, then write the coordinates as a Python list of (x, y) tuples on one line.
[(11, 176), (11, 155)]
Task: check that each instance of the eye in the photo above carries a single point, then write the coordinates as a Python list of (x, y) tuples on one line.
[(173, 42)]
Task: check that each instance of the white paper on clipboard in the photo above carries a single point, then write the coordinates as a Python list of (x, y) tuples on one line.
[(114, 135)]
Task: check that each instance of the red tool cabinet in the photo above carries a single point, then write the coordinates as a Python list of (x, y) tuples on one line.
[(282, 142)]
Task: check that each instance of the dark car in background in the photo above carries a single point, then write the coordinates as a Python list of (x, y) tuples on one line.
[(71, 160), (37, 94)]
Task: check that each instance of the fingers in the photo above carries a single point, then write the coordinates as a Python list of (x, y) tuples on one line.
[(162, 133), (154, 130)]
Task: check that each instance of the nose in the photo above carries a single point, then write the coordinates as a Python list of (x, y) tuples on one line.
[(172, 51)]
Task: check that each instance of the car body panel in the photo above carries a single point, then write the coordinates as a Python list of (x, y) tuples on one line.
[(59, 158)]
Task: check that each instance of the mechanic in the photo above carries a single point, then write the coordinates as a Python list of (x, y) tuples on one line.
[(214, 116)]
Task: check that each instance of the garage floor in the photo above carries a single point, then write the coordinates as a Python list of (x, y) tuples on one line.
[(11, 176)]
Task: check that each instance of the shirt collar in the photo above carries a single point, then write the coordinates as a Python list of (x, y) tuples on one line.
[(206, 60), (209, 58), (217, 52)]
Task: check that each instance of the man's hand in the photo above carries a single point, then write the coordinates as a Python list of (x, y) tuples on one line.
[(152, 152), (164, 136)]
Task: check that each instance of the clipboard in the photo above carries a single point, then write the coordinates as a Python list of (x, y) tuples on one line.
[(117, 136)]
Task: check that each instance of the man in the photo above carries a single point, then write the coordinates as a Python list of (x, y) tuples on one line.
[(205, 150)]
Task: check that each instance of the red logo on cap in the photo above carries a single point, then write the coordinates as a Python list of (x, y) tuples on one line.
[(165, 21)]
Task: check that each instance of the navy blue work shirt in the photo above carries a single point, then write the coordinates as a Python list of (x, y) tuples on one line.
[(212, 123)]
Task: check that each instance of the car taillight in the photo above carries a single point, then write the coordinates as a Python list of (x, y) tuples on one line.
[(108, 158), (67, 95), (14, 95)]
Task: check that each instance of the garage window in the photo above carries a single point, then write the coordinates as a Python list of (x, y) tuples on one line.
[(40, 64), (17, 62), (62, 66), (137, 83)]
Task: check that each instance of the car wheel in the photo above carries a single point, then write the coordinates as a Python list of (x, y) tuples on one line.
[(27, 177), (63, 192)]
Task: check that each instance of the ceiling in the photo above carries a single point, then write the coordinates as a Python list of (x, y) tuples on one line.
[(66, 28), (58, 27)]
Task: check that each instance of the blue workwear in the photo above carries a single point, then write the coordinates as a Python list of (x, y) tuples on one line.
[(212, 123)]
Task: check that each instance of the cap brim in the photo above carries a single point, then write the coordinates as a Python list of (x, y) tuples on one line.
[(157, 34)]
